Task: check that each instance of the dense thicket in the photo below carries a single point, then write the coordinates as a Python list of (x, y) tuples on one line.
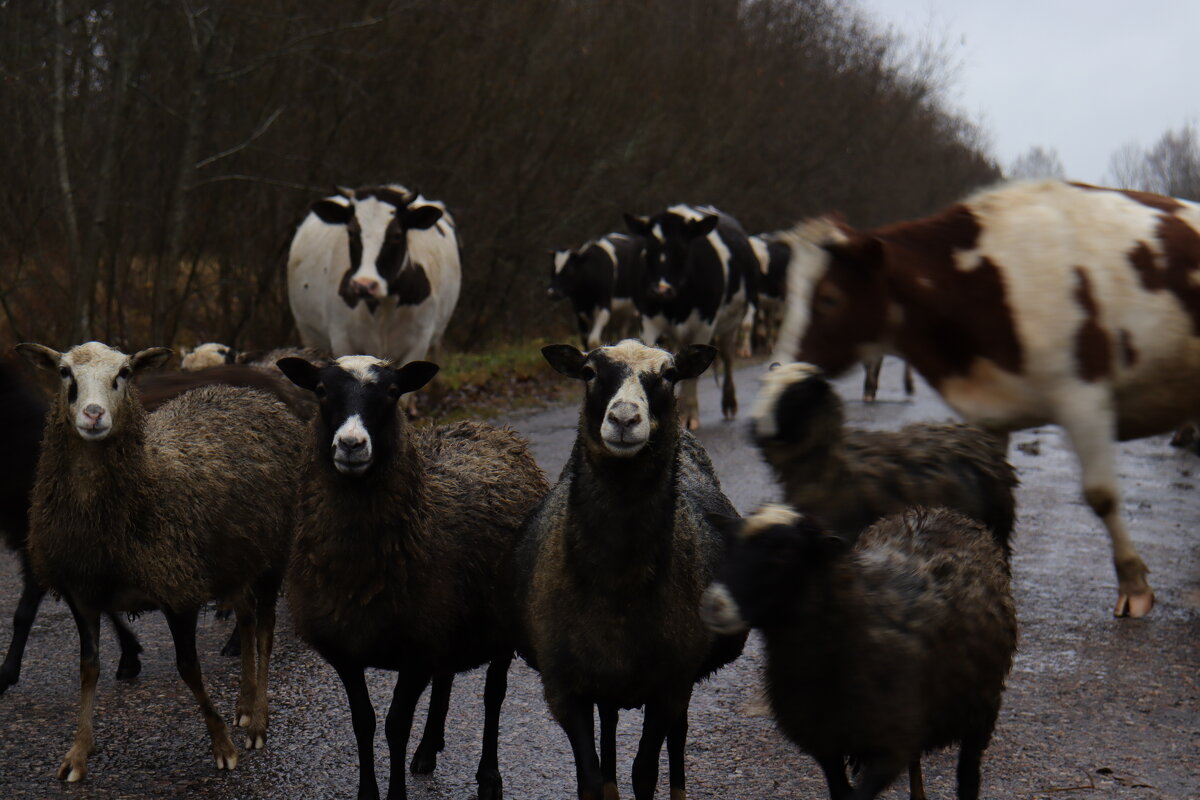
[(159, 154)]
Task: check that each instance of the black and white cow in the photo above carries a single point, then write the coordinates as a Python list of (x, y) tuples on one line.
[(698, 285), (375, 271), (598, 278), (773, 257)]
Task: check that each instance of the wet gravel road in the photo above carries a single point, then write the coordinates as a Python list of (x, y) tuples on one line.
[(1095, 707)]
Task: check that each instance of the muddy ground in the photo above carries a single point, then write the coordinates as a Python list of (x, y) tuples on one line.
[(1096, 707)]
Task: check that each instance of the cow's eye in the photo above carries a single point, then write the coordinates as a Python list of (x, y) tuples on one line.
[(829, 300)]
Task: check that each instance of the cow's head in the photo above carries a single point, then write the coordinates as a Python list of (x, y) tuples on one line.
[(562, 273), (836, 302), (377, 221), (668, 237)]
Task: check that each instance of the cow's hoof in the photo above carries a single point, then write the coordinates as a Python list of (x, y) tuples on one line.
[(1134, 604)]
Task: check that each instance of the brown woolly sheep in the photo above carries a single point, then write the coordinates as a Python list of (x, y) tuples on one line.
[(848, 479), (403, 552), (878, 653), (129, 509), (613, 562)]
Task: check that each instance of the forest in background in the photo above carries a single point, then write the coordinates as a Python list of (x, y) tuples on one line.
[(160, 153)]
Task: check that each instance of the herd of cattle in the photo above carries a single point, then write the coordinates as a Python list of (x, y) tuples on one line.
[(428, 551)]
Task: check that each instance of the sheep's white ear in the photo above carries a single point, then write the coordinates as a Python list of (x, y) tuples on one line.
[(300, 372), (415, 374), (692, 360), (39, 355), (566, 359), (150, 358)]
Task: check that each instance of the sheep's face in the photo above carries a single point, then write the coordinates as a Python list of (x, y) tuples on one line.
[(792, 396), (668, 240), (768, 557), (630, 389), (209, 354), (358, 408), (95, 379)]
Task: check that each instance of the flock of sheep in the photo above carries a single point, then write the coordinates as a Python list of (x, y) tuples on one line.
[(882, 588)]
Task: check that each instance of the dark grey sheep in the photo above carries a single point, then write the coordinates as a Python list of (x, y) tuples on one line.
[(613, 563), (403, 555), (134, 511), (848, 478), (879, 652)]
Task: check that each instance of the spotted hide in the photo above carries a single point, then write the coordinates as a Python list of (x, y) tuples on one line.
[(374, 271), (1032, 303), (598, 279)]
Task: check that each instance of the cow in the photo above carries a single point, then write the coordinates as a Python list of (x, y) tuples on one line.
[(698, 285), (375, 271), (1026, 304), (598, 278)]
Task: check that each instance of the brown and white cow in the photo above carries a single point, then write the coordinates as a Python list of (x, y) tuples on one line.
[(1032, 303)]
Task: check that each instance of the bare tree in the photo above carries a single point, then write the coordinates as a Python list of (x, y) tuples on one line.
[(1037, 162)]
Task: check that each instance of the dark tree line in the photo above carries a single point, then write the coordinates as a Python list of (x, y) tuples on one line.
[(159, 153)]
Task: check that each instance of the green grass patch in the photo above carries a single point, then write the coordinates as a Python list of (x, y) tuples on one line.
[(505, 378)]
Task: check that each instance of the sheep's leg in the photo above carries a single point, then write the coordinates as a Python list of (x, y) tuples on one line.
[(608, 750), (398, 726), (916, 781), (87, 620), (876, 775), (183, 633), (495, 688), (130, 665), (27, 608), (834, 767), (574, 714), (233, 645), (1092, 431), (970, 755), (264, 631), (676, 744), (247, 624), (871, 366), (362, 714), (655, 725), (433, 740)]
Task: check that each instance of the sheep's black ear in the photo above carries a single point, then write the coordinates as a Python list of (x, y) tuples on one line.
[(39, 355), (828, 545), (150, 358), (726, 525), (414, 375), (333, 212), (692, 360), (421, 217), (566, 359), (300, 372), (638, 226)]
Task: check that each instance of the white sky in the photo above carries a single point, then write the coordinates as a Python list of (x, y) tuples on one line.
[(1082, 77)]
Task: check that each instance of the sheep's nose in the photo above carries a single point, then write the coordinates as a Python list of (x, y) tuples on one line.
[(93, 412), (352, 444), (625, 415)]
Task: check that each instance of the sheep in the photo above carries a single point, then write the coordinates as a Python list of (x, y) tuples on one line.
[(401, 560), (134, 511), (24, 411), (848, 478), (209, 354), (613, 562), (876, 652)]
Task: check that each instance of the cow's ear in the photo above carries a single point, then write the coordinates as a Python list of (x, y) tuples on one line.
[(638, 226), (565, 359), (414, 375), (300, 372), (692, 360), (421, 217), (860, 249), (333, 211), (701, 227)]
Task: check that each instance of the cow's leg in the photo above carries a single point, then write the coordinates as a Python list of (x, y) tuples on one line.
[(746, 332), (595, 336), (1092, 431), (651, 331), (729, 405), (909, 387), (871, 366)]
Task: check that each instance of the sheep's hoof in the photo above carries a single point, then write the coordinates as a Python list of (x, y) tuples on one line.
[(610, 792), (678, 793), (424, 760), (491, 787), (129, 667), (224, 753), (73, 768), (256, 741), (1134, 604), (7, 678)]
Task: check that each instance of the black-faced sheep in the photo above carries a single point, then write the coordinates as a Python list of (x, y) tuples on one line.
[(613, 562), (876, 653), (134, 511), (847, 478), (403, 553)]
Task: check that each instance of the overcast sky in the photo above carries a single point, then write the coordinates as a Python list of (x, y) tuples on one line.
[(1083, 77)]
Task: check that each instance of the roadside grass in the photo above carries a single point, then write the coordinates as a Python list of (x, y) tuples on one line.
[(505, 378)]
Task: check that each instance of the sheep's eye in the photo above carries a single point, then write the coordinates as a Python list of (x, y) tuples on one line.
[(393, 391), (587, 373), (320, 391), (670, 374), (65, 372), (123, 373)]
